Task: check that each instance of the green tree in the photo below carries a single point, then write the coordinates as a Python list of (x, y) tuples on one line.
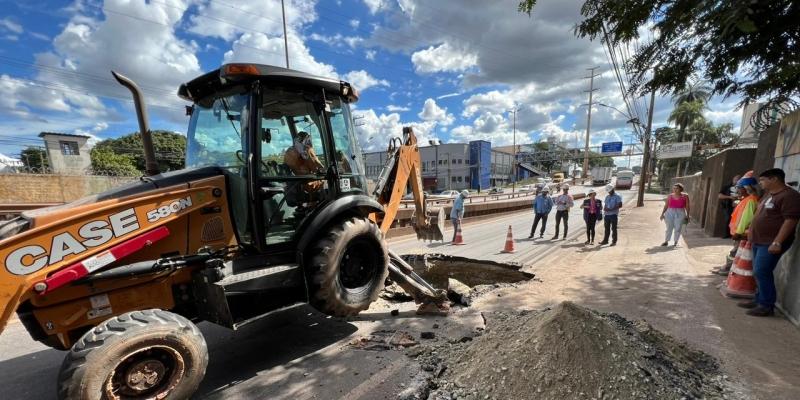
[(106, 161), (34, 158), (744, 48), (595, 160), (170, 151), (694, 91), (685, 114)]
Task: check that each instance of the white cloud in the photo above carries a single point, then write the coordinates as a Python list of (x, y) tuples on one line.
[(432, 112), (257, 47), (370, 55), (394, 108), (444, 96), (362, 80), (354, 23), (443, 58), (374, 5), (11, 26), (227, 21), (337, 40)]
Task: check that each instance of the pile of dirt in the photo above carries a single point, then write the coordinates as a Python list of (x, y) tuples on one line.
[(572, 352)]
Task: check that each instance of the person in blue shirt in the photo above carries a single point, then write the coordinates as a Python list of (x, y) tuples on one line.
[(542, 205), (457, 212), (611, 210)]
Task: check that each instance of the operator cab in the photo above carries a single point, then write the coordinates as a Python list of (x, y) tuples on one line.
[(285, 139)]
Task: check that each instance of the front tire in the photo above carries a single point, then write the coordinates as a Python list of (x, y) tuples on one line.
[(349, 265), (150, 354)]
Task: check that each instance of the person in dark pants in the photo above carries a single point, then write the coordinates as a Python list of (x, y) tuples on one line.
[(611, 210), (726, 196), (542, 205), (591, 214), (563, 203), (771, 234)]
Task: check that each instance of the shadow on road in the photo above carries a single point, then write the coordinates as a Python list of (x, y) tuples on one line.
[(236, 357)]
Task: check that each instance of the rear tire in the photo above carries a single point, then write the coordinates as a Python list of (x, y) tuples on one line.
[(137, 355), (349, 265)]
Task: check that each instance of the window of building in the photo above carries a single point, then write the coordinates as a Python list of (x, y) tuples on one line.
[(69, 148), (458, 161), (452, 179), (440, 162)]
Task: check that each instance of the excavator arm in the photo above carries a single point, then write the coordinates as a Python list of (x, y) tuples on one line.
[(403, 168)]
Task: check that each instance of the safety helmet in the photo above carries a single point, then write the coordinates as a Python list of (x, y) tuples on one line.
[(546, 189), (609, 188), (747, 182), (465, 193), (565, 186), (591, 191)]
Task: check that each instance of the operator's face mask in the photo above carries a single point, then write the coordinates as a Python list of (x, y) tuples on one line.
[(302, 145)]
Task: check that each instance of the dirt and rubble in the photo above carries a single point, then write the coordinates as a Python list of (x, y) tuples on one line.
[(567, 352)]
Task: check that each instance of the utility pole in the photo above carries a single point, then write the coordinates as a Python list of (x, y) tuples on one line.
[(285, 38), (588, 120), (514, 153), (646, 156), (449, 168)]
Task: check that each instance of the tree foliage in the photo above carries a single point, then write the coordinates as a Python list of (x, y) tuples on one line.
[(745, 48), (125, 155), (34, 158)]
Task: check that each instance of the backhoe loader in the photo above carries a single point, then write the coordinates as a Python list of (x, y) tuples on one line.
[(272, 210)]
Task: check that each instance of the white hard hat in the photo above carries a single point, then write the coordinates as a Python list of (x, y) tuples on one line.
[(591, 191), (609, 188), (465, 193), (565, 186), (545, 189)]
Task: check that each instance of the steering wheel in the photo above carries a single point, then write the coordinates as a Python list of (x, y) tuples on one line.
[(239, 155)]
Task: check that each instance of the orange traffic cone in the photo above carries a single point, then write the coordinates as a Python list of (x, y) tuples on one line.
[(458, 240), (509, 248), (740, 282)]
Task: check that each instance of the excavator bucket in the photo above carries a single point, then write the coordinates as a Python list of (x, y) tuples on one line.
[(434, 229)]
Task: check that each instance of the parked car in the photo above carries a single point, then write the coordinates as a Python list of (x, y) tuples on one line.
[(548, 179), (410, 195), (526, 188), (496, 190), (445, 194)]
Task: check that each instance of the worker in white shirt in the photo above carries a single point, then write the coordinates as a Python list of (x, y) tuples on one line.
[(563, 202)]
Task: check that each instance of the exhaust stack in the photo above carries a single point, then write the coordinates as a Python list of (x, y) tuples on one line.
[(150, 164)]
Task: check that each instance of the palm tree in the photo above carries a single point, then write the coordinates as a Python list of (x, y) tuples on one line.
[(694, 91)]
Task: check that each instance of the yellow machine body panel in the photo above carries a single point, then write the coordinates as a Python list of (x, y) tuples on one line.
[(195, 213)]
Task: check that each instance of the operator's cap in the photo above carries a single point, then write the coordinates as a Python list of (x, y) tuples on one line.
[(609, 188), (565, 186), (465, 193), (747, 182)]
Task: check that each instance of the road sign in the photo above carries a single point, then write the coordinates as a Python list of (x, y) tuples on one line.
[(611, 148), (675, 150)]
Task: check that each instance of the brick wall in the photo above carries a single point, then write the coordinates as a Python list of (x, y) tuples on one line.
[(40, 188)]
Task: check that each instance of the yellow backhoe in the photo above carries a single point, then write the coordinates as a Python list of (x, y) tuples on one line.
[(272, 210)]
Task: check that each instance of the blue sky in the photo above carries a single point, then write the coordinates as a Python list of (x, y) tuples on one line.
[(451, 69)]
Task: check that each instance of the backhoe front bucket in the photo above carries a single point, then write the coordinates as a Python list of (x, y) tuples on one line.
[(434, 230)]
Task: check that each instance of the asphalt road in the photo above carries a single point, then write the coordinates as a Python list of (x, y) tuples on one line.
[(301, 354)]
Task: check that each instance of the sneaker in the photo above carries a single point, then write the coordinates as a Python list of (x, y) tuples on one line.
[(613, 243), (748, 304), (554, 237), (675, 244), (586, 242), (541, 236), (602, 243), (665, 244), (592, 242), (761, 312), (530, 237)]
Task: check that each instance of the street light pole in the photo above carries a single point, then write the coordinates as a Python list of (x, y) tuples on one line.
[(285, 39)]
